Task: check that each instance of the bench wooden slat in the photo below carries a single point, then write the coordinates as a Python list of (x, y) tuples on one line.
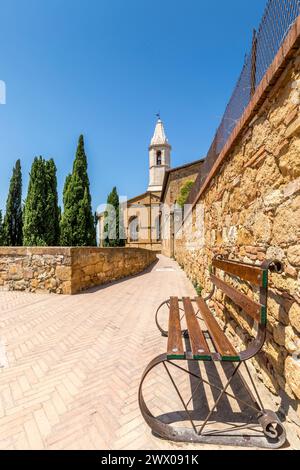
[(175, 344), (222, 343), (198, 342), (251, 307), (253, 274)]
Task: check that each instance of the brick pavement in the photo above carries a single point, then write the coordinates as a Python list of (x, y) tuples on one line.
[(72, 365)]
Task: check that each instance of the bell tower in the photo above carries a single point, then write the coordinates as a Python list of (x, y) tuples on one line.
[(159, 157)]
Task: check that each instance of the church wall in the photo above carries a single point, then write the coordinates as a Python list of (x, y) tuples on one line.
[(176, 180), (146, 209), (252, 213)]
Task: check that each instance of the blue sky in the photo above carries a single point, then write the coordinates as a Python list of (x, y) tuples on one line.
[(104, 68)]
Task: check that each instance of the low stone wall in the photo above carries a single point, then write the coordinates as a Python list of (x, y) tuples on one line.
[(36, 269), (94, 267), (68, 270)]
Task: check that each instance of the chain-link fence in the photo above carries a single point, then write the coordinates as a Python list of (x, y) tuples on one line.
[(278, 18)]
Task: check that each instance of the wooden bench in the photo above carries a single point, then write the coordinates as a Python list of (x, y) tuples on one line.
[(194, 334)]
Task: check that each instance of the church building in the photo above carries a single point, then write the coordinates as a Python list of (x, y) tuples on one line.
[(145, 226), (142, 215), (143, 222)]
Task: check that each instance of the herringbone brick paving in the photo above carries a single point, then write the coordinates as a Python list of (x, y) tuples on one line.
[(73, 364)]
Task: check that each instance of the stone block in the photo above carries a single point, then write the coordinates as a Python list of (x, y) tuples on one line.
[(289, 161), (285, 283), (66, 287), (244, 237), (294, 316), (291, 116), (63, 273), (293, 129), (262, 229), (292, 374), (273, 199), (292, 188), (28, 274), (268, 175), (275, 354), (286, 227), (293, 255), (285, 336)]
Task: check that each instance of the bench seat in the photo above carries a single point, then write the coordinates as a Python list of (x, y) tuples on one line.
[(209, 344)]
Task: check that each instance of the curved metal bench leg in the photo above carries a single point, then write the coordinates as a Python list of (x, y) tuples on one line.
[(165, 333), (274, 433), (273, 428)]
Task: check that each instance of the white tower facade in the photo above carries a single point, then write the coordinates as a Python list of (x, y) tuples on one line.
[(159, 157)]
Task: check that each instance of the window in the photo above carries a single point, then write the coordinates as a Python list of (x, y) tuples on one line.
[(157, 228), (158, 158), (134, 229)]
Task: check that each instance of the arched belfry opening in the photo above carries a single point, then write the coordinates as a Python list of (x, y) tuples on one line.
[(158, 158)]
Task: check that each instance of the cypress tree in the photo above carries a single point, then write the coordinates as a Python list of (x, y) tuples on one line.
[(77, 221), (113, 223), (1, 229), (41, 212), (13, 224), (52, 211)]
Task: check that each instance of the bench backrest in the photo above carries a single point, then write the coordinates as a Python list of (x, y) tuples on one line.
[(255, 275)]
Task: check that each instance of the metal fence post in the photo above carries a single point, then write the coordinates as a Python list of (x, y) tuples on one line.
[(253, 62)]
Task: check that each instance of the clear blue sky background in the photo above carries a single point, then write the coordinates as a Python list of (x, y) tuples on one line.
[(104, 68)]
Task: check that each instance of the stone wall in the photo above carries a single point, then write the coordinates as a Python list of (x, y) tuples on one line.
[(68, 270), (251, 211), (94, 267), (36, 269)]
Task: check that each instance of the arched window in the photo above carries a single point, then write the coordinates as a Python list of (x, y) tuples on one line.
[(134, 229), (158, 158)]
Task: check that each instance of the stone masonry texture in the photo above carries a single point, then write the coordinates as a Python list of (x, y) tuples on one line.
[(68, 270), (251, 212)]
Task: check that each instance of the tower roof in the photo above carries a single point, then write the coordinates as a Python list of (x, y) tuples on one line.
[(159, 137)]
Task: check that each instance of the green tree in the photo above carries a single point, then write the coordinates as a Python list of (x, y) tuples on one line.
[(114, 226), (13, 223), (41, 212), (1, 229), (184, 193), (52, 211), (77, 221)]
